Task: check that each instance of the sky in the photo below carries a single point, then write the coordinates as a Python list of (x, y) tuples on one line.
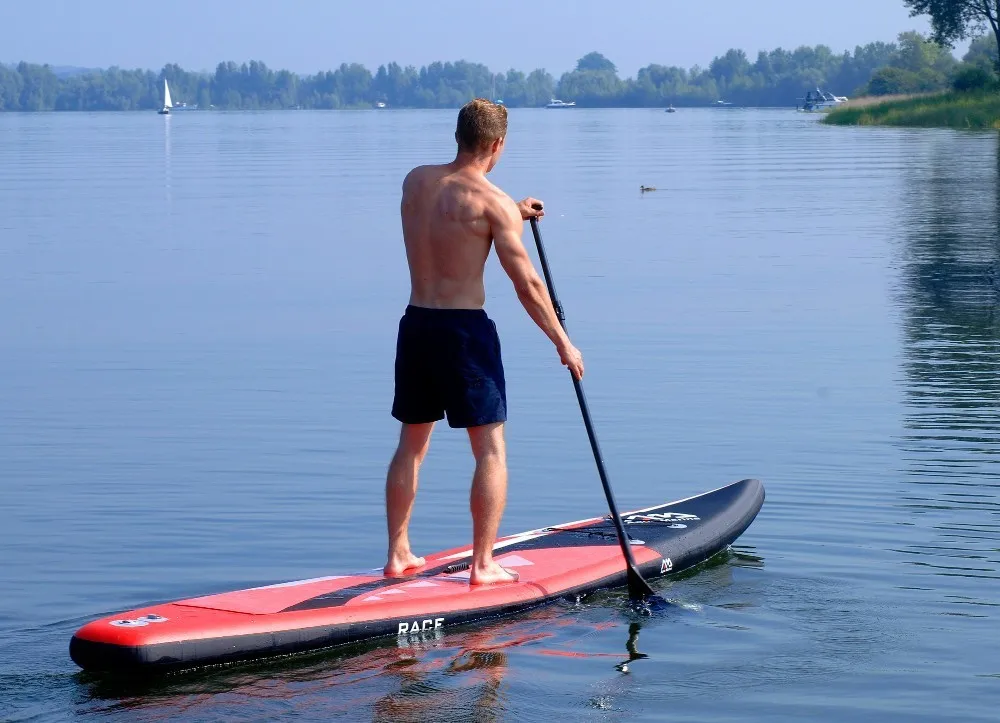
[(310, 35)]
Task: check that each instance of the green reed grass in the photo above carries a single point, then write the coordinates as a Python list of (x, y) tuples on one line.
[(975, 110)]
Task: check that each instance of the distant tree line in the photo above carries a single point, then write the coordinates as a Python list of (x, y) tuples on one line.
[(253, 85), (775, 78)]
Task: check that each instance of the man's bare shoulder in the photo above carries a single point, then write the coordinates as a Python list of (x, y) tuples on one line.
[(500, 207), (421, 173)]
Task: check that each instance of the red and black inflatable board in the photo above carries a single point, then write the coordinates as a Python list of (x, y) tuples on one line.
[(565, 559)]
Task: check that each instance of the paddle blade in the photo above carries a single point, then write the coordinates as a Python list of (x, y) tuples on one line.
[(638, 588)]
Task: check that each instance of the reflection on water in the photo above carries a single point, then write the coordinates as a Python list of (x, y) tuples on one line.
[(167, 176), (455, 676), (951, 348)]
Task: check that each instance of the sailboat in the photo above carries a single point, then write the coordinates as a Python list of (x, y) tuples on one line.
[(493, 91), (167, 105)]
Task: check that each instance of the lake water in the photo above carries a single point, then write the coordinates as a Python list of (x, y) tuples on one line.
[(197, 325)]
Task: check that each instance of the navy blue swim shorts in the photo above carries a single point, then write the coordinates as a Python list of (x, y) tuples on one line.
[(448, 363)]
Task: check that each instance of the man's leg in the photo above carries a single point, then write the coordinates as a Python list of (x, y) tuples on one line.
[(400, 492), (487, 500)]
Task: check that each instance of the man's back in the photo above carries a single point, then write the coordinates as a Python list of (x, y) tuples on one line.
[(447, 214)]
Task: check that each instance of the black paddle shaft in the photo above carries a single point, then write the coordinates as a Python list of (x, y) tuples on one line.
[(638, 588)]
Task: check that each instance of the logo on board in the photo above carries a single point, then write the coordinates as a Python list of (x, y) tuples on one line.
[(420, 626), (673, 520), (139, 622)]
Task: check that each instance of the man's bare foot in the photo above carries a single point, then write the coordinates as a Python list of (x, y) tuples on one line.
[(400, 563), (490, 574)]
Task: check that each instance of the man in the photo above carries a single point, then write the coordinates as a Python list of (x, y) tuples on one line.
[(448, 352)]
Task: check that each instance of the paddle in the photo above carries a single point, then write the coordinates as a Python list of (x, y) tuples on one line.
[(638, 588)]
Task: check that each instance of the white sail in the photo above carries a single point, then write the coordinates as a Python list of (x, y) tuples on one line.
[(166, 95)]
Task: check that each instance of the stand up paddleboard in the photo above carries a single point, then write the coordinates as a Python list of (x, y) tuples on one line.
[(552, 562)]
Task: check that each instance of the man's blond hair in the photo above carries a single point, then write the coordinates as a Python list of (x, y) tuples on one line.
[(480, 122)]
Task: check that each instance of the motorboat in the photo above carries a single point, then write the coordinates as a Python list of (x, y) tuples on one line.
[(819, 100), (556, 103)]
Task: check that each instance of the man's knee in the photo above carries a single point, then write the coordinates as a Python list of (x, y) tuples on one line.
[(414, 442), (407, 452), (488, 444), (409, 456)]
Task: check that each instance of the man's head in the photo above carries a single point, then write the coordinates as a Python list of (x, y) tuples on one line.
[(482, 127)]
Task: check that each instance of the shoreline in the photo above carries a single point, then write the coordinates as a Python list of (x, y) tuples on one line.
[(973, 110)]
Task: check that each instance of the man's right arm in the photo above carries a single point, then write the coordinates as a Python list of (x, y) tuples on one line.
[(531, 292)]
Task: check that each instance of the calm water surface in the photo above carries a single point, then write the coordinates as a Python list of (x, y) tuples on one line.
[(197, 319)]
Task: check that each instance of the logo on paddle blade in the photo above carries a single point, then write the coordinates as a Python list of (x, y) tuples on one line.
[(673, 520), (666, 566)]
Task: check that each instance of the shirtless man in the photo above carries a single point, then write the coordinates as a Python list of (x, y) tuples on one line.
[(448, 352)]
